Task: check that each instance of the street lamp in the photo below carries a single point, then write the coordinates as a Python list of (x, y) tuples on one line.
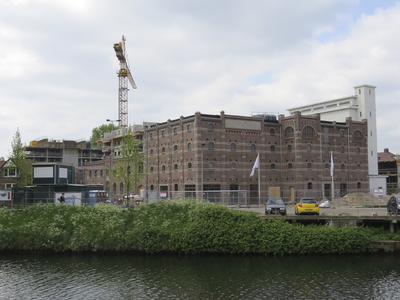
[(112, 153)]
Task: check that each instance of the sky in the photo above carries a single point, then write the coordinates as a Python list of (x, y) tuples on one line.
[(58, 66)]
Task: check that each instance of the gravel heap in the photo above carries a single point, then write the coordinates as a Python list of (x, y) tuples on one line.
[(360, 199)]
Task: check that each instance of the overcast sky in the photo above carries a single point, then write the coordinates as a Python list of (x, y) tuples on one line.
[(58, 66)]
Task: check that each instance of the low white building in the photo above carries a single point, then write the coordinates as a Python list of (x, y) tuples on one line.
[(360, 106)]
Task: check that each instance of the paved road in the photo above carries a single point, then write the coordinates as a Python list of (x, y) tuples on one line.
[(340, 211)]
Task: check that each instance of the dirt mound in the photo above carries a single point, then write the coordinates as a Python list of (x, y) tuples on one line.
[(359, 199)]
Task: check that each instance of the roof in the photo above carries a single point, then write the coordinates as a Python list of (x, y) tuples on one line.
[(386, 156), (2, 163)]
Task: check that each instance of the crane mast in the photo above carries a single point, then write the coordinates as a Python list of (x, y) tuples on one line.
[(124, 75)]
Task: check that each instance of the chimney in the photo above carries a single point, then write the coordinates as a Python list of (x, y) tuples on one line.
[(386, 150)]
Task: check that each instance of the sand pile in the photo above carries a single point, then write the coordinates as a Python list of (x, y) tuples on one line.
[(359, 199)]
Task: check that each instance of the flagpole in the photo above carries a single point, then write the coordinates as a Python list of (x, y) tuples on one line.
[(333, 186), (259, 179)]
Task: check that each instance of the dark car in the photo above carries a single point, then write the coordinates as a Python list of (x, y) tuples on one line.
[(393, 205), (275, 206)]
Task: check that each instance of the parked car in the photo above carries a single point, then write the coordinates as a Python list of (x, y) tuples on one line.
[(275, 206), (393, 205), (306, 206)]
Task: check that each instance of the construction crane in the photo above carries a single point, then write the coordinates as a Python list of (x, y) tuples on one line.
[(123, 74)]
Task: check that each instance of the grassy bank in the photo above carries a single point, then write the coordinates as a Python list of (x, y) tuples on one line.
[(185, 226)]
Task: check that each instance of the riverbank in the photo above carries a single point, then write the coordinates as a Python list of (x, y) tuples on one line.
[(179, 226)]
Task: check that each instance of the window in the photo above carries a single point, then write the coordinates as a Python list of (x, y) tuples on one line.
[(175, 130), (163, 168), (175, 187), (341, 132), (272, 148), (189, 165), (309, 166), (233, 146), (163, 150), (342, 149), (358, 150), (290, 166), (289, 130), (9, 186), (151, 169), (189, 127), (175, 148), (326, 166), (189, 145), (210, 126), (90, 173), (101, 173), (152, 187), (253, 147), (289, 147), (309, 185), (358, 167), (359, 185), (357, 135), (163, 133), (273, 166), (342, 167), (272, 131), (95, 173), (121, 188), (151, 135), (140, 168), (175, 167), (233, 166), (308, 147), (210, 145), (151, 151), (308, 130), (211, 165)]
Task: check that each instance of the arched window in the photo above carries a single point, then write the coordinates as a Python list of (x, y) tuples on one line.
[(289, 147), (342, 167), (101, 173), (358, 150), (175, 167), (233, 146), (309, 166), (290, 166), (326, 166), (151, 187), (253, 147), (151, 169), (233, 166), (272, 148), (271, 131), (121, 188), (151, 135), (163, 133), (289, 130), (273, 166), (189, 127), (189, 145), (163, 150), (357, 135), (176, 148), (358, 167), (175, 187), (151, 151), (308, 147), (114, 187), (359, 185), (210, 126), (210, 145), (341, 132), (211, 165), (163, 168), (309, 185), (140, 167), (342, 149), (308, 130), (90, 173), (175, 130), (189, 165)]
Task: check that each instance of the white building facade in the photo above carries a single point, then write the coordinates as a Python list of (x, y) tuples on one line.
[(360, 106)]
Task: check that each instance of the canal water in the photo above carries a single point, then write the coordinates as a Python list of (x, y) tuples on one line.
[(123, 276)]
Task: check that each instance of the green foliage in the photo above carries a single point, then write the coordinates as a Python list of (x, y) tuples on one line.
[(21, 164), (179, 226), (129, 165), (98, 133)]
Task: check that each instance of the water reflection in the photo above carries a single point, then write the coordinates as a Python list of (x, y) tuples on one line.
[(116, 276)]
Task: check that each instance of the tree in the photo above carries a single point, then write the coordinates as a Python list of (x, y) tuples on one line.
[(21, 164), (128, 168), (98, 133)]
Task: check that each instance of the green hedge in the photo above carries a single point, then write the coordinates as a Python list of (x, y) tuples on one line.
[(179, 226)]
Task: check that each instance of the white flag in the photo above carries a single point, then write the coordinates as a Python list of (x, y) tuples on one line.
[(332, 164), (256, 165)]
